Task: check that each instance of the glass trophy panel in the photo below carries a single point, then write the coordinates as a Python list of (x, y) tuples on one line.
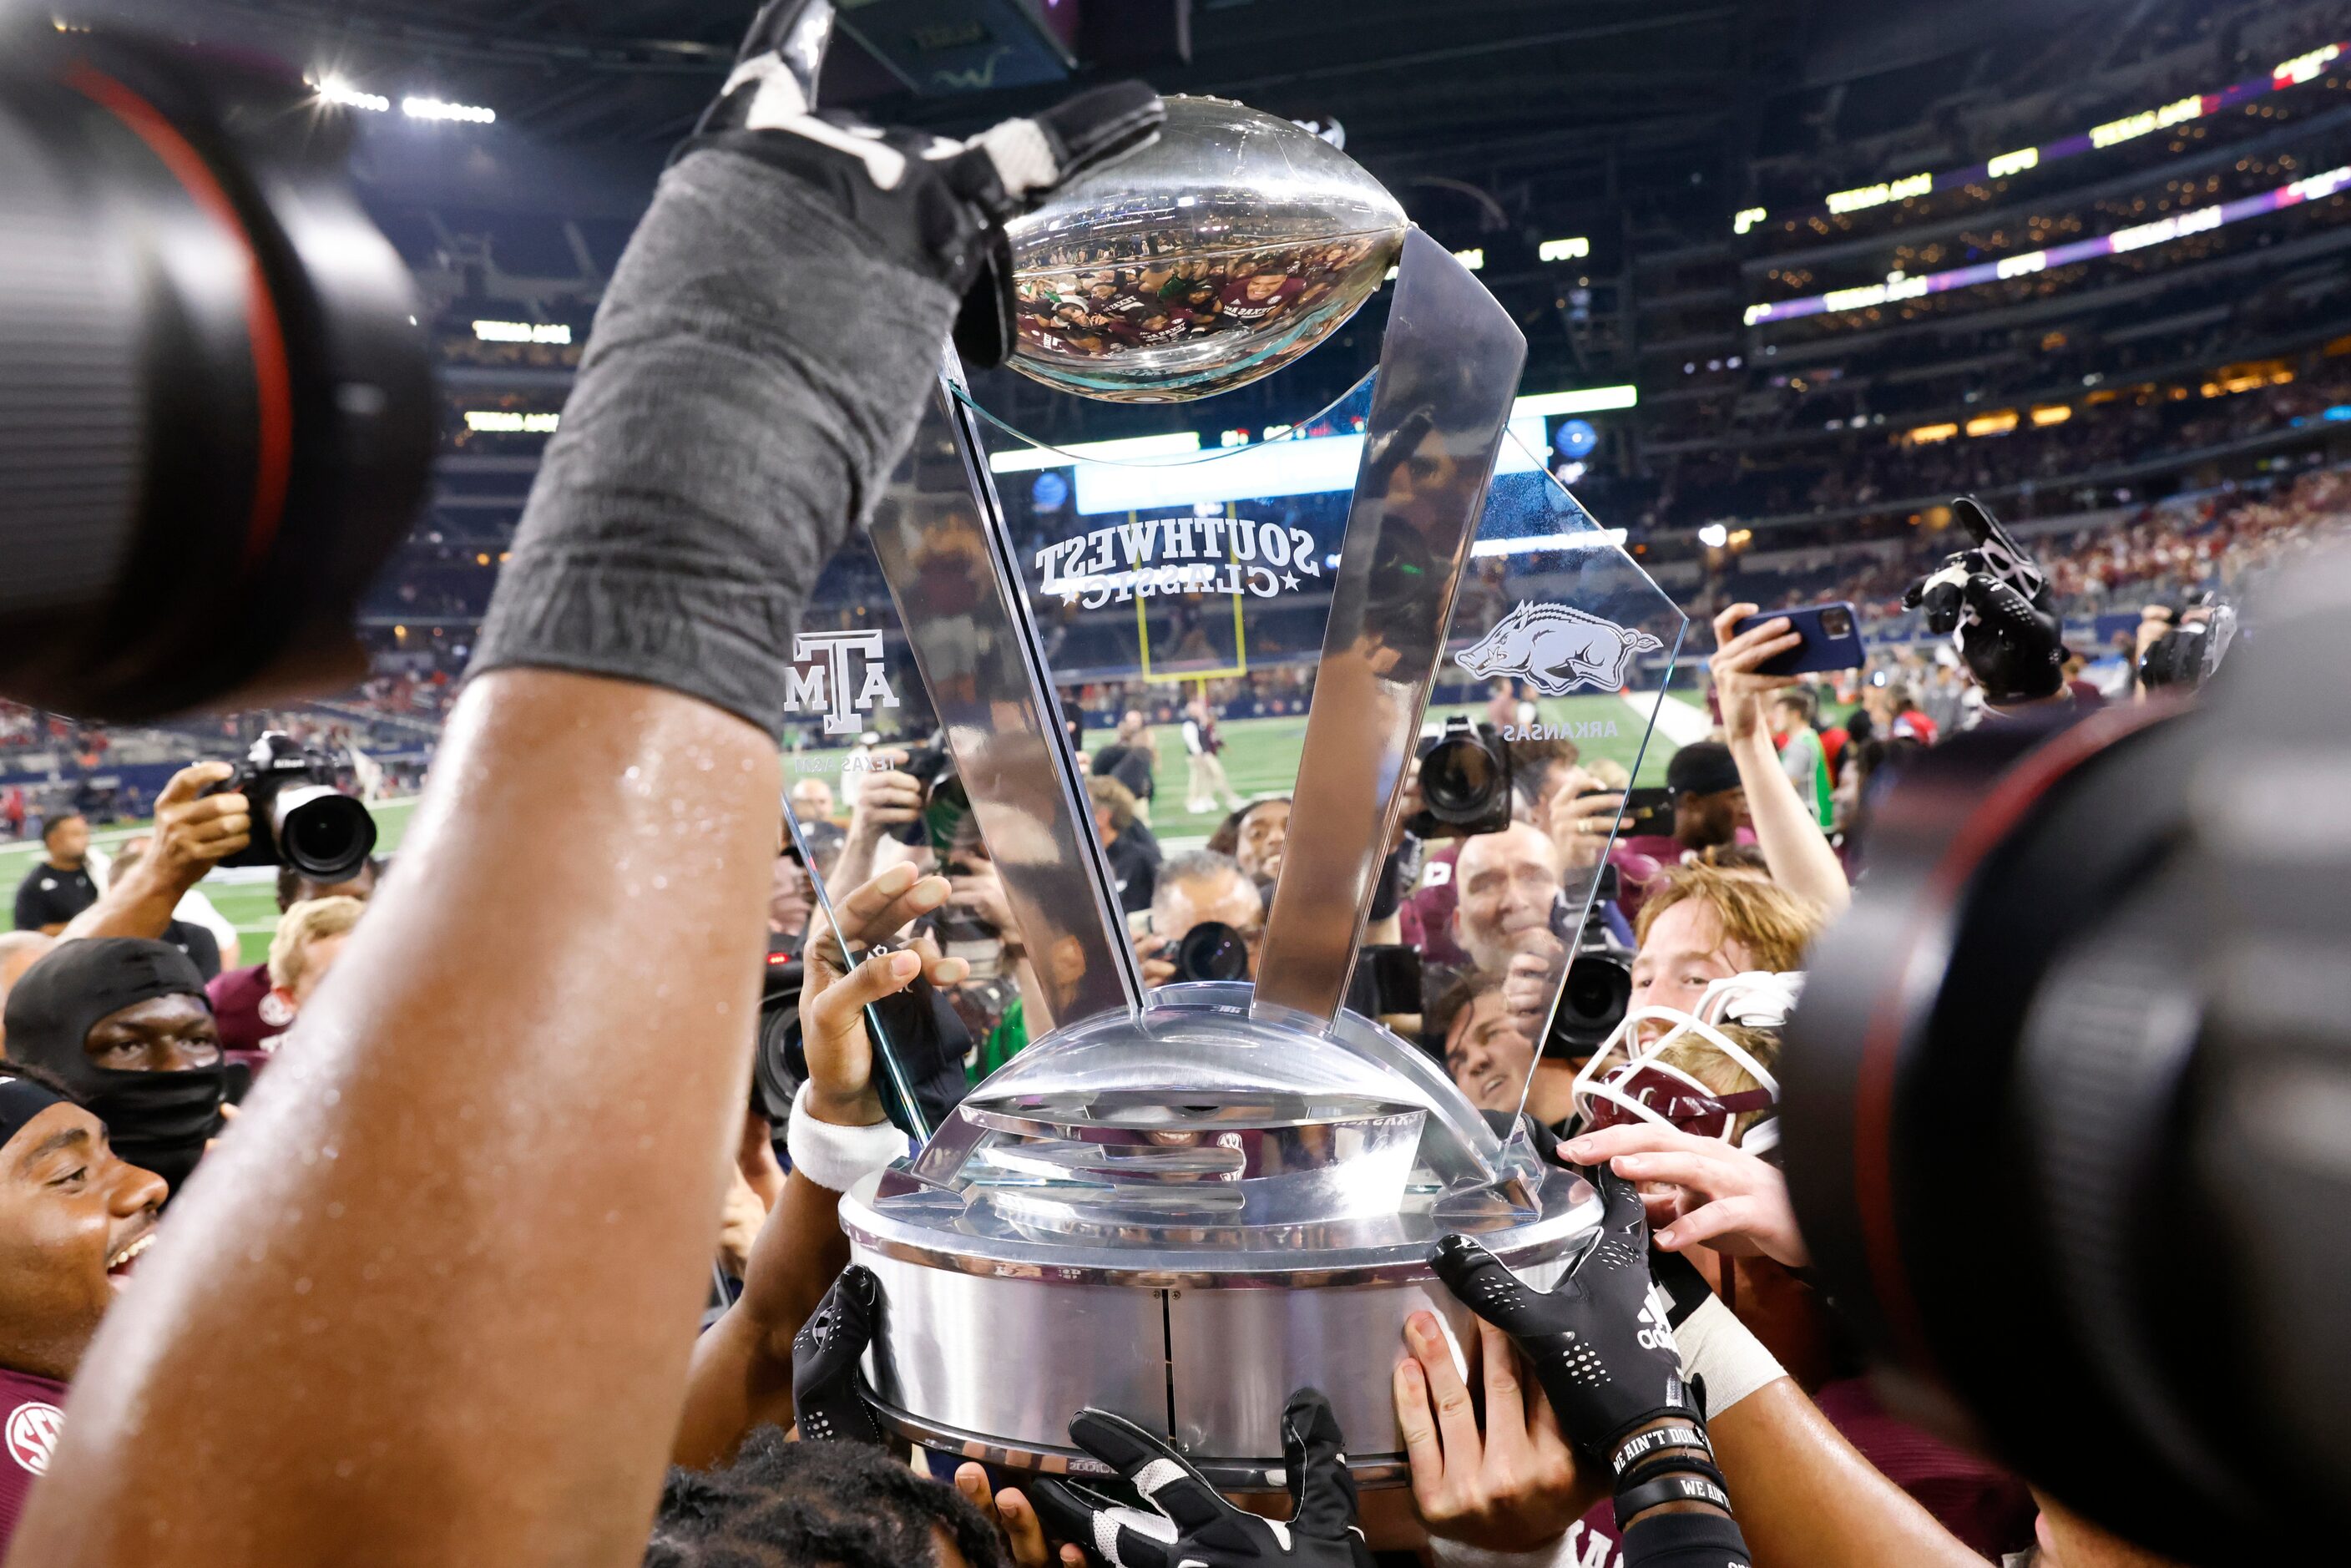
[(1156, 579), (1563, 649)]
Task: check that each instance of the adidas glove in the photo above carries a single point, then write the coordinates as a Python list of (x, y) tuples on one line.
[(825, 1402), (1187, 1524)]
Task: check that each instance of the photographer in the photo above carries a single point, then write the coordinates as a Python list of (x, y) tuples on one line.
[(193, 832), (561, 990), (1506, 916), (1194, 890), (887, 799)]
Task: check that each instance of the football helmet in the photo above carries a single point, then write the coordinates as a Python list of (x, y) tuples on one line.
[(1624, 1081)]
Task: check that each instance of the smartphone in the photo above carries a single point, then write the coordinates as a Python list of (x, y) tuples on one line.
[(1647, 812), (1832, 635), (1644, 812)]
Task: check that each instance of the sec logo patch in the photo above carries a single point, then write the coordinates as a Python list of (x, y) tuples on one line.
[(33, 1428)]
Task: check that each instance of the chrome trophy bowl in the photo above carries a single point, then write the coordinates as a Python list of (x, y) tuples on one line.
[(1216, 254), (1183, 1217)]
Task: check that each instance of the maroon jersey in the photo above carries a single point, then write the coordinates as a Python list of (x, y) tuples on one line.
[(32, 1411), (1242, 305), (250, 1018)]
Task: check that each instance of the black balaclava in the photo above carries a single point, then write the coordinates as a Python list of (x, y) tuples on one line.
[(157, 1121)]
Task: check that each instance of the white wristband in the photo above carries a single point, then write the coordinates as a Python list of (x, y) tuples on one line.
[(1717, 1347), (837, 1157)]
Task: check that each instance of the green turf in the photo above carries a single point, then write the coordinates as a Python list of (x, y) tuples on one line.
[(1261, 756), (1260, 759)]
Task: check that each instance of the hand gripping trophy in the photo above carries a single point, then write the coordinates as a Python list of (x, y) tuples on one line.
[(1184, 1203)]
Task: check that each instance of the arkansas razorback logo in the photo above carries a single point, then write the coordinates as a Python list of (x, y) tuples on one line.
[(1556, 649)]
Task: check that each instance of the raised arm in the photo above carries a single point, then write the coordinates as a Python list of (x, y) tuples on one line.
[(193, 832), (1794, 846), (742, 1371), (435, 1299)]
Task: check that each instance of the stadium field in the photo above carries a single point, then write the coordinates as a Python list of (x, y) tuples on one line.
[(1261, 758)]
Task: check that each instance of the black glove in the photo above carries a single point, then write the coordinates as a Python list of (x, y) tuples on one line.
[(825, 1353), (1195, 1528), (933, 203), (1599, 1340), (1994, 602)]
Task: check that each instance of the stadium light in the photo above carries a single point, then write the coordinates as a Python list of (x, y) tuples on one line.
[(1714, 536), (335, 89), (2303, 67), (522, 332), (2054, 414), (2199, 220), (1133, 449), (1567, 249), (1587, 400), (1999, 423), (1747, 219), (439, 109), (1926, 433), (1589, 539), (1474, 258), (498, 420)]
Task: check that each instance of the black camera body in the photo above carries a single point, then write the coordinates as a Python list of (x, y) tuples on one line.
[(945, 806), (1465, 782), (1598, 989), (299, 818)]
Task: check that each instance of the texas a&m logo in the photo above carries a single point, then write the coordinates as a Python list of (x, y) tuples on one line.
[(826, 686)]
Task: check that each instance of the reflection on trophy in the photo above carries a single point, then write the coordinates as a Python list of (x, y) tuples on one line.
[(1183, 1203)]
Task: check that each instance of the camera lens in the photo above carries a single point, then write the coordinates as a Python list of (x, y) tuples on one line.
[(1458, 781), (256, 406), (1212, 950), (322, 834), (1591, 1003)]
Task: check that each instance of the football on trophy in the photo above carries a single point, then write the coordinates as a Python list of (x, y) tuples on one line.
[(1216, 256)]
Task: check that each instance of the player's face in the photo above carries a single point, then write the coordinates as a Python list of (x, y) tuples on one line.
[(68, 1210), (161, 1034), (1265, 834), (1487, 1056), (1686, 951)]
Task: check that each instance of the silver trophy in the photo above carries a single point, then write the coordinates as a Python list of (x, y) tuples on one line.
[(1182, 1204)]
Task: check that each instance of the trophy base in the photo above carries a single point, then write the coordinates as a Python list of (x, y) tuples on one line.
[(988, 1357)]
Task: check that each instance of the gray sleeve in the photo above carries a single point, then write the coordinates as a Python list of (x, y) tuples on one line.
[(756, 370)]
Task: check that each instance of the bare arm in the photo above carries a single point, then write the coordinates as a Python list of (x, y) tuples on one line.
[(742, 1371), (1807, 1498), (472, 1212), (193, 832), (1794, 847)]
